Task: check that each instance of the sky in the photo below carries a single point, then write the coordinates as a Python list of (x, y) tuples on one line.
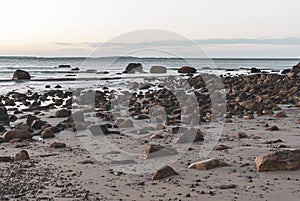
[(231, 28)]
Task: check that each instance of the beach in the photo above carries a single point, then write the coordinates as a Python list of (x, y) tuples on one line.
[(105, 136)]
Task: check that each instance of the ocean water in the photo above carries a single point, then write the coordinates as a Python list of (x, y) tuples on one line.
[(44, 70)]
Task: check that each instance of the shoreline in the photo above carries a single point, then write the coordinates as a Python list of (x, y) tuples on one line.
[(74, 172)]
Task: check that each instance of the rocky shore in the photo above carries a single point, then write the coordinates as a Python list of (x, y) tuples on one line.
[(256, 156)]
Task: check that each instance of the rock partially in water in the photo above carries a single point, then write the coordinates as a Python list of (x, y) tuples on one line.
[(187, 69), (158, 69), (21, 75), (133, 67)]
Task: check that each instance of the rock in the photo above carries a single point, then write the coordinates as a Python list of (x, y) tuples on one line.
[(280, 115), (22, 155), (273, 128), (23, 127), (64, 66), (164, 172), (75, 69), (126, 124), (12, 134), (158, 69), (294, 71), (2, 129), (58, 145), (30, 119), (249, 116), (63, 113), (187, 69), (221, 147), (47, 133), (285, 71), (76, 117), (21, 75), (5, 159), (153, 151), (240, 135), (37, 124), (207, 164), (133, 67), (255, 70), (190, 136), (278, 160), (4, 118), (273, 141)]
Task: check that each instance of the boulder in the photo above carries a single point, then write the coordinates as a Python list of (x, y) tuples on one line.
[(295, 71), (64, 66), (13, 134), (158, 69), (21, 75), (278, 160), (4, 118), (22, 155), (164, 172), (153, 151), (255, 70), (63, 113), (187, 69), (207, 164), (47, 133), (190, 136), (133, 67)]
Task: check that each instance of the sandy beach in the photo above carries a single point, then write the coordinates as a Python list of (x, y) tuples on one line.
[(65, 136)]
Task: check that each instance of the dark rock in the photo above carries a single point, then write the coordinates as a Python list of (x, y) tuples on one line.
[(21, 75), (273, 128), (221, 147), (133, 67), (63, 113), (22, 155), (278, 160), (4, 118), (240, 135), (164, 172), (255, 70), (285, 71), (187, 69), (64, 66), (75, 69), (37, 124)]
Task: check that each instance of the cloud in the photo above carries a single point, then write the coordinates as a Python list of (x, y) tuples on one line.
[(186, 43)]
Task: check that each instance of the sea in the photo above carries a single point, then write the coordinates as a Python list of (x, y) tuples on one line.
[(91, 72)]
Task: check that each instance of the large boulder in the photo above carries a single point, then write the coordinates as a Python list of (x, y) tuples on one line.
[(14, 134), (158, 69), (133, 67), (278, 160), (295, 71), (4, 118), (187, 69), (21, 75), (255, 70)]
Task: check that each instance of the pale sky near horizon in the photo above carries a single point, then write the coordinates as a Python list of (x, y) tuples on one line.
[(65, 27)]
